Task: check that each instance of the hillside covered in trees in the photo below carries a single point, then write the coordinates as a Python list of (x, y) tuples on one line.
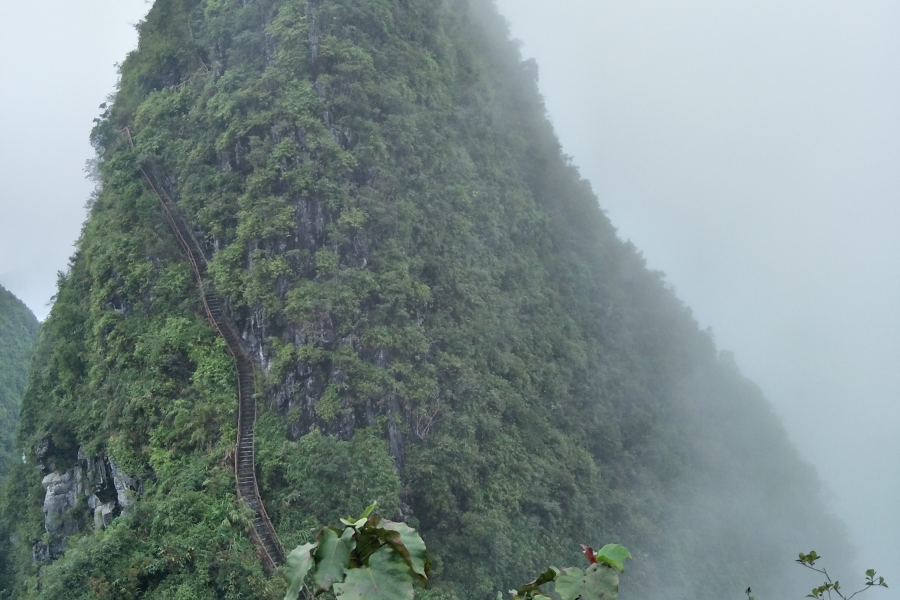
[(441, 317), (18, 336)]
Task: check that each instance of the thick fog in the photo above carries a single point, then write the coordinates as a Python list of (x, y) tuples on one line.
[(750, 149)]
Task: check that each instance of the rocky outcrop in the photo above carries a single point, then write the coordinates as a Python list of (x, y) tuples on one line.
[(95, 490), (61, 517)]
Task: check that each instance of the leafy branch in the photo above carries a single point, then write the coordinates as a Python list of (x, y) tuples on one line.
[(829, 586), (600, 581), (370, 558)]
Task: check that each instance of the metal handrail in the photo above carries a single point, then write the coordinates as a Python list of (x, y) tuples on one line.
[(221, 323)]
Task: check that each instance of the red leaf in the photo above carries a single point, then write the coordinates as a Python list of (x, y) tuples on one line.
[(589, 552)]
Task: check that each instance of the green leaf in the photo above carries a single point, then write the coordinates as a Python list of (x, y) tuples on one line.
[(614, 555), (410, 547), (299, 562), (368, 511), (545, 577), (870, 573), (332, 557), (599, 582), (387, 577), (354, 524)]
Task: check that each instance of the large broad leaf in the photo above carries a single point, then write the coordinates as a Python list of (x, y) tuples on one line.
[(411, 547), (332, 557), (387, 577), (369, 538), (299, 562), (614, 555), (545, 577), (599, 582)]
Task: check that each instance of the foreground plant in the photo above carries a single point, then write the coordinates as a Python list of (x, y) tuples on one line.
[(600, 581), (830, 588), (370, 558)]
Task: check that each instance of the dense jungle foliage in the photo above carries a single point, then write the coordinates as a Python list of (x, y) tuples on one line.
[(18, 336), (447, 322)]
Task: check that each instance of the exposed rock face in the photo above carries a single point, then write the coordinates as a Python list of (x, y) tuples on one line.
[(61, 519), (95, 488), (126, 487), (303, 387)]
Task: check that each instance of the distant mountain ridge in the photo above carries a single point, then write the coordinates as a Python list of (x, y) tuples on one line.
[(440, 317)]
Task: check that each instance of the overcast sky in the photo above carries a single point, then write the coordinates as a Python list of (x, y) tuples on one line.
[(751, 149), (57, 65)]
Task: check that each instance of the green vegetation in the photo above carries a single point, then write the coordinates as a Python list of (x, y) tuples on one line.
[(445, 319), (599, 582), (18, 336), (369, 558), (831, 588)]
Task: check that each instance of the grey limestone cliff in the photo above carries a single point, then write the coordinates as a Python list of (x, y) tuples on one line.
[(93, 491)]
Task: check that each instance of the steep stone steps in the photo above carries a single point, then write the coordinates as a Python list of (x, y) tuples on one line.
[(263, 533)]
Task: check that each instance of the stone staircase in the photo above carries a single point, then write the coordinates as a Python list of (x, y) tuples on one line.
[(263, 533)]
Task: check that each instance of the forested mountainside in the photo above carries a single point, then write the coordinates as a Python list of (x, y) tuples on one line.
[(18, 336), (441, 318)]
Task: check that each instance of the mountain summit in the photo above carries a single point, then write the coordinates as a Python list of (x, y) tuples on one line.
[(337, 256)]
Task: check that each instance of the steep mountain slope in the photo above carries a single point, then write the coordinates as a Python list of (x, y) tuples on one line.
[(441, 318), (18, 336)]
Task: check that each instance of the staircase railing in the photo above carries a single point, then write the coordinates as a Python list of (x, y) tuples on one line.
[(263, 534)]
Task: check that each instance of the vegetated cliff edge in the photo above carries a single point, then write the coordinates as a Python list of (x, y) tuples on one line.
[(445, 319)]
